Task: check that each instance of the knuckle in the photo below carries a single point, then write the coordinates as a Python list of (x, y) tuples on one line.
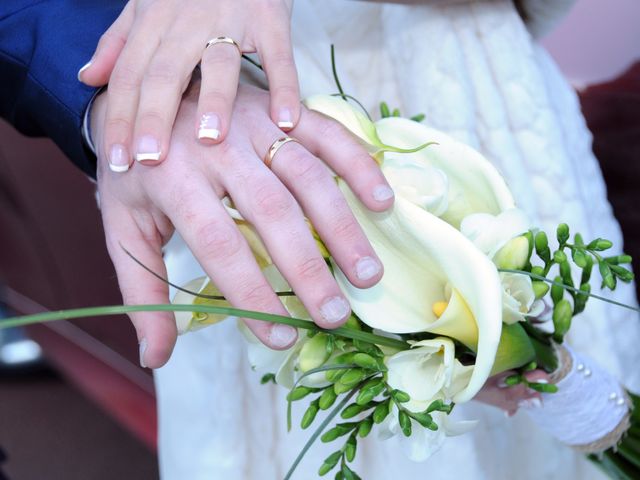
[(163, 73), (151, 117), (218, 240), (255, 296), (117, 126), (345, 227), (110, 38), (330, 129), (215, 100), (289, 92), (273, 203), (126, 77), (311, 268), (221, 54), (306, 169)]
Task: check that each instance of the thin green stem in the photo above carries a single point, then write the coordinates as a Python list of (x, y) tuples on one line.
[(229, 311), (351, 97), (319, 430), (572, 289), (335, 72)]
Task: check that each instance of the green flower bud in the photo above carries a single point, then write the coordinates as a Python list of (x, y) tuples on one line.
[(365, 361), (622, 273), (400, 396), (405, 422), (384, 110), (608, 280), (350, 448), (370, 390), (557, 290), (562, 314), (298, 393), (381, 411), (353, 376), (600, 244), (352, 410), (365, 427), (313, 353), (559, 256), (327, 398), (423, 419), (514, 255), (329, 463), (562, 233), (309, 415), (540, 288), (538, 271), (541, 242)]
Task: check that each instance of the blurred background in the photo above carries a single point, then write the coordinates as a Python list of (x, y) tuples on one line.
[(74, 404)]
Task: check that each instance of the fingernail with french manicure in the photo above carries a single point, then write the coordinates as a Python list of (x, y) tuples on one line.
[(285, 120), (335, 310), (367, 268), (118, 159), (382, 193), (209, 126), (143, 349), (86, 65), (148, 149), (282, 335)]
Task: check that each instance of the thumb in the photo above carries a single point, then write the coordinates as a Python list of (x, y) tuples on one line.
[(97, 71)]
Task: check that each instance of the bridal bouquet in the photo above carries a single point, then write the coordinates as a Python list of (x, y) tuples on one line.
[(471, 289)]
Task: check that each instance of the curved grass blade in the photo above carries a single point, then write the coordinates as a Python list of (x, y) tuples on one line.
[(324, 368), (228, 311)]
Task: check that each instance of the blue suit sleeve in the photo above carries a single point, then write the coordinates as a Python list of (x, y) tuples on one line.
[(43, 44)]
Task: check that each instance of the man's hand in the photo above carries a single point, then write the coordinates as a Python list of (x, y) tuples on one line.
[(140, 211)]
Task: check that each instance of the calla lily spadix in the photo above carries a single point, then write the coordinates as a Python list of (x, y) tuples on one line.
[(429, 265)]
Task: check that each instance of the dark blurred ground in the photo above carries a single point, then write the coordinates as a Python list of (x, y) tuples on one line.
[(49, 431)]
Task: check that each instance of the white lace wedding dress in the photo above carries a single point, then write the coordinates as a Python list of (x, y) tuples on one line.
[(473, 69)]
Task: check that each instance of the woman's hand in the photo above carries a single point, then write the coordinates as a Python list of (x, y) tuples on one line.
[(141, 209), (148, 55), (509, 398)]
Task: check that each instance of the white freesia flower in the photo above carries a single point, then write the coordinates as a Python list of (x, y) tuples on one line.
[(492, 232), (435, 280), (518, 298), (427, 372), (423, 443)]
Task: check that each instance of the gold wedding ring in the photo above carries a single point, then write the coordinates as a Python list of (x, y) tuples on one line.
[(275, 146), (227, 40)]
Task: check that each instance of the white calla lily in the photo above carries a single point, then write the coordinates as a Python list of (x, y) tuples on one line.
[(492, 232), (429, 266), (474, 184)]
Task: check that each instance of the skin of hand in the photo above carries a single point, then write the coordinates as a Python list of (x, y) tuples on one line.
[(149, 53), (141, 209), (509, 398)]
